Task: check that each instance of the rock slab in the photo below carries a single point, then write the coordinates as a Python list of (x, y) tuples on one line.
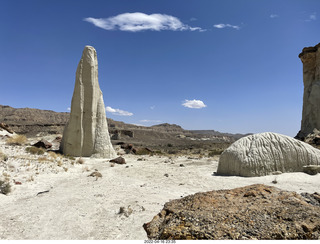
[(86, 133), (310, 57), (265, 153), (252, 212)]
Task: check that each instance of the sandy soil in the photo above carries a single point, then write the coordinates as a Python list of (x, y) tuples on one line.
[(111, 207)]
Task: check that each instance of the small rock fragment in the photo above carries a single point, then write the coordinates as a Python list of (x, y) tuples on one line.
[(118, 160), (311, 169), (125, 211), (96, 174)]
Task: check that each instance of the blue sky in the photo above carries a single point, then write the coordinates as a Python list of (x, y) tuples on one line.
[(230, 66)]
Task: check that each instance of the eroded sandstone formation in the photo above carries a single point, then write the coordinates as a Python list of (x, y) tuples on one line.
[(310, 57), (86, 133), (257, 212), (266, 153)]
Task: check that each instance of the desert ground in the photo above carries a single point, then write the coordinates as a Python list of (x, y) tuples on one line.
[(53, 197)]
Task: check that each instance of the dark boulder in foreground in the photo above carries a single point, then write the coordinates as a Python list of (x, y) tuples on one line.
[(43, 144), (251, 212)]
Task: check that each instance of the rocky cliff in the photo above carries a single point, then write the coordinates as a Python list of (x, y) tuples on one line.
[(310, 57)]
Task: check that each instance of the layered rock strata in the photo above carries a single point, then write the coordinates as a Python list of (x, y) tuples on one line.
[(266, 153), (86, 133), (310, 57)]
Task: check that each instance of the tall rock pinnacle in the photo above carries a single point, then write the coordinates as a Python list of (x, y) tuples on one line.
[(310, 57), (86, 133)]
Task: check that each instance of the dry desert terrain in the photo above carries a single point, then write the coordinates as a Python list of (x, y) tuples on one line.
[(53, 197)]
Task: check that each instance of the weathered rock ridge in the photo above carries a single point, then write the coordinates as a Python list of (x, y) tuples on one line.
[(86, 133), (265, 153), (310, 57), (251, 212)]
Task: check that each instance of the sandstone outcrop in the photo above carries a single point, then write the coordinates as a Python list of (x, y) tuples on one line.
[(265, 153), (310, 57), (6, 127), (86, 133), (251, 212), (313, 138)]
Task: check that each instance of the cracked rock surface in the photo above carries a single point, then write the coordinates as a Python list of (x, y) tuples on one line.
[(252, 212)]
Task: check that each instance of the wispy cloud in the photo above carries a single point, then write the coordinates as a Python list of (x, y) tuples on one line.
[(135, 22), (272, 16), (69, 109), (152, 107), (222, 26), (116, 111), (193, 104), (312, 17), (150, 121)]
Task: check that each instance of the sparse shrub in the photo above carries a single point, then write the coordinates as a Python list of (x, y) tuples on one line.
[(169, 145), (5, 187), (80, 161), (111, 164), (35, 150), (214, 152), (53, 155), (69, 157), (158, 152), (17, 140), (30, 179), (172, 152), (59, 163), (65, 169), (42, 159), (3, 156), (85, 169)]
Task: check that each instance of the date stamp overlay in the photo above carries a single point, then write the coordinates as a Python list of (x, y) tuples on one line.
[(159, 241)]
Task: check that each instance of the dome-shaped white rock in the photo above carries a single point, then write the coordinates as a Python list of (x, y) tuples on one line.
[(86, 133), (264, 153)]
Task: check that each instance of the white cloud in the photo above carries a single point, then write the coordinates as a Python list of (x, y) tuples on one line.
[(135, 22), (272, 16), (69, 109), (152, 107), (150, 121), (221, 26), (116, 111), (193, 104), (312, 17)]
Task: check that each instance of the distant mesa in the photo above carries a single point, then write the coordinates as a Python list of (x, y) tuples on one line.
[(168, 127), (266, 153), (310, 57), (86, 133)]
